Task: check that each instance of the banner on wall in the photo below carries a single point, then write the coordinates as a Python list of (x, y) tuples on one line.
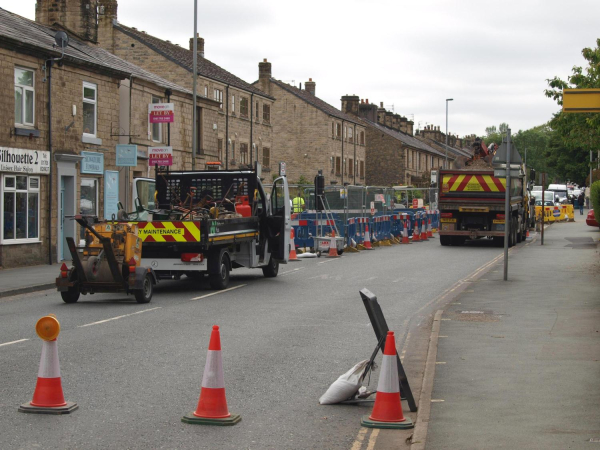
[(161, 112), (163, 156), (20, 160)]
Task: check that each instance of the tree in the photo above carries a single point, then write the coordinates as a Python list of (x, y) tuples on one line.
[(577, 132)]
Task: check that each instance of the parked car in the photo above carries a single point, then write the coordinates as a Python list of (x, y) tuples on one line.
[(591, 219)]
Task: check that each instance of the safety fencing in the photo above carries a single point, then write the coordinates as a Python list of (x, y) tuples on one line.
[(558, 213)]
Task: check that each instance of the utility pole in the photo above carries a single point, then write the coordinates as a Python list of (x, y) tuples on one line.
[(195, 76), (507, 212)]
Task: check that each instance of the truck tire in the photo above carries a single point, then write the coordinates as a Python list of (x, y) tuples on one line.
[(272, 269), (220, 280), (144, 295), (445, 240), (72, 295), (458, 240), (498, 241)]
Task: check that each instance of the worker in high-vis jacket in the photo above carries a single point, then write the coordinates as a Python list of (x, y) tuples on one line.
[(298, 204)]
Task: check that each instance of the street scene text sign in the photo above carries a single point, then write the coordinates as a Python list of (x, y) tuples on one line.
[(163, 156), (581, 100), (161, 112), (21, 160)]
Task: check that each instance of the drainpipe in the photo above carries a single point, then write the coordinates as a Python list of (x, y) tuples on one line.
[(49, 67), (227, 140), (168, 93), (342, 162), (354, 161), (251, 121)]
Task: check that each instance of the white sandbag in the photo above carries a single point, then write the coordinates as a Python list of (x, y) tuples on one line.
[(306, 255), (345, 386)]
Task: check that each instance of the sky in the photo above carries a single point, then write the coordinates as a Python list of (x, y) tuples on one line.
[(491, 57)]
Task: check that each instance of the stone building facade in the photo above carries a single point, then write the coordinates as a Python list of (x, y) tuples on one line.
[(64, 116), (234, 117), (311, 135)]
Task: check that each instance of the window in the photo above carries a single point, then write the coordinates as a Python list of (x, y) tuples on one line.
[(267, 113), (362, 138), (88, 204), (350, 135), (20, 208), (362, 169), (351, 166), (233, 152), (244, 107), (256, 111), (332, 129), (233, 104), (220, 149), (338, 130), (206, 90), (218, 96), (90, 104), (243, 153), (156, 127), (266, 157), (24, 97), (338, 165), (345, 133)]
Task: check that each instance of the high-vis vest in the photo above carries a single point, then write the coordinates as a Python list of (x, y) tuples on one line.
[(298, 204)]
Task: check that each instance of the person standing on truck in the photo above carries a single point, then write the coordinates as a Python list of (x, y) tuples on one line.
[(298, 204), (580, 200)]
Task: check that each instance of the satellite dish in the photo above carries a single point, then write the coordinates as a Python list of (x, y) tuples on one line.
[(62, 39)]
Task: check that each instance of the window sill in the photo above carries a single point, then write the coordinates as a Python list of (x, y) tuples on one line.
[(20, 241), (29, 132), (87, 139)]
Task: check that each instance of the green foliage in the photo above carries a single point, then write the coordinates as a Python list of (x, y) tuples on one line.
[(595, 177), (302, 181), (577, 132), (595, 199), (536, 141)]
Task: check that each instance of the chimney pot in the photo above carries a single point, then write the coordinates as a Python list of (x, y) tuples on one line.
[(367, 101), (264, 59), (381, 104), (200, 45), (310, 86)]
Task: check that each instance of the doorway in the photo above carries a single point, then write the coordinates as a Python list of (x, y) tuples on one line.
[(66, 208)]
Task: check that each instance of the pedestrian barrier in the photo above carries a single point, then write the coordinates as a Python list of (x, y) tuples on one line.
[(212, 405), (569, 212), (48, 397), (387, 411)]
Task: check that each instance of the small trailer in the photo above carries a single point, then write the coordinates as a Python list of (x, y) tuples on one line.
[(109, 262)]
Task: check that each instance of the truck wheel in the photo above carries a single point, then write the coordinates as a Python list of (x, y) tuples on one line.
[(72, 295), (458, 240), (272, 269), (220, 280), (144, 295), (445, 240), (498, 241)]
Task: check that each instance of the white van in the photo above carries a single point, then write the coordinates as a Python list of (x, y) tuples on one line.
[(561, 191)]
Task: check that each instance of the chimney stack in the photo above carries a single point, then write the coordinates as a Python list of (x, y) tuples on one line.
[(350, 104), (200, 45), (264, 76), (310, 86)]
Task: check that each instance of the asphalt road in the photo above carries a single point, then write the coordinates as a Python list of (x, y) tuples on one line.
[(135, 370)]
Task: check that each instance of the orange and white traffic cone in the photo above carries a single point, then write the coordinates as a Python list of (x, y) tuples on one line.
[(423, 227), (367, 242), (48, 397), (293, 254), (429, 230), (416, 236), (333, 246), (212, 405), (405, 239), (387, 411)]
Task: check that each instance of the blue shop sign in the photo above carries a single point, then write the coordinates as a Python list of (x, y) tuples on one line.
[(92, 163), (126, 155)]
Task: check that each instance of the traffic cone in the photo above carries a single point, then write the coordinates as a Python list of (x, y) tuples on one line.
[(405, 239), (387, 411), (293, 254), (333, 246), (367, 241), (212, 405), (423, 227), (416, 236), (429, 230), (48, 396)]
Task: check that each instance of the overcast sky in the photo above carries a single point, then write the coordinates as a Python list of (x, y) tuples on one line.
[(491, 57)]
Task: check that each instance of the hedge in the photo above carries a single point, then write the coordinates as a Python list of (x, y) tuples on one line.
[(595, 199)]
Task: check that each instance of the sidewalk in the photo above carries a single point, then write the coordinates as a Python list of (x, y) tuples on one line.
[(518, 361), (28, 279)]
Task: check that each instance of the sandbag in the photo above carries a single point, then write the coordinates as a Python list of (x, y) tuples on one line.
[(345, 386)]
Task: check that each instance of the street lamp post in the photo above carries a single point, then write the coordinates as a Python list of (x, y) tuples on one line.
[(447, 100)]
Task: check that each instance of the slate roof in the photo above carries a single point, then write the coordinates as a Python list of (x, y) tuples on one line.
[(316, 102), (185, 58), (25, 33), (455, 151), (404, 138)]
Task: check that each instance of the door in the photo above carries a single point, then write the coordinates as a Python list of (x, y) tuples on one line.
[(66, 210), (279, 221)]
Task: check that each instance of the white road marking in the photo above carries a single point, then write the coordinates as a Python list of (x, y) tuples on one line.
[(327, 261), (292, 271), (13, 342), (118, 317), (218, 292)]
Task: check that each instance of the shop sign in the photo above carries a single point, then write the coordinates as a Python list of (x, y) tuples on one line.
[(92, 162), (161, 112), (126, 155), (111, 194), (24, 161), (163, 156)]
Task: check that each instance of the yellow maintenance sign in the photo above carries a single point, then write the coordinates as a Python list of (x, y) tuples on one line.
[(184, 231), (472, 183)]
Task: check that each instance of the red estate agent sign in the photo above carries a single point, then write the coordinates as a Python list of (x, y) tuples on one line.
[(163, 156), (161, 112)]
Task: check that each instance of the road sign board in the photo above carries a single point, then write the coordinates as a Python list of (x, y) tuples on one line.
[(581, 100), (501, 154)]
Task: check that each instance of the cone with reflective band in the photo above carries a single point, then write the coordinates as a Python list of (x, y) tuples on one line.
[(212, 405), (405, 230), (387, 411), (48, 396), (333, 246), (293, 254), (423, 227), (416, 237), (429, 230), (367, 241)]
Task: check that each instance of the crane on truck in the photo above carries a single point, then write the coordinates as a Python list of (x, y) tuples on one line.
[(208, 222)]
